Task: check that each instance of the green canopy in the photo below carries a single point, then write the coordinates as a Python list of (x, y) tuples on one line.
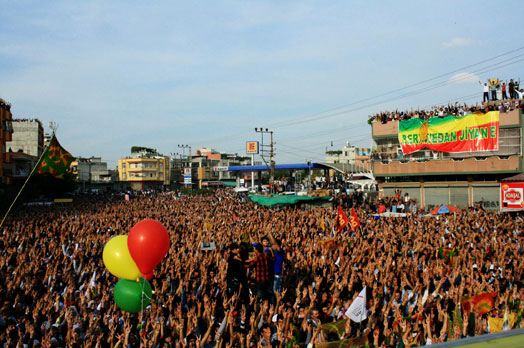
[(229, 183), (270, 201)]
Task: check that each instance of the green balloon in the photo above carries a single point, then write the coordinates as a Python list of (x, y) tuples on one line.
[(132, 296)]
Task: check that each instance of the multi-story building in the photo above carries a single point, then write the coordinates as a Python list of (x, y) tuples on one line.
[(6, 132), (90, 171), (459, 179), (145, 169), (28, 137), (206, 163), (349, 155)]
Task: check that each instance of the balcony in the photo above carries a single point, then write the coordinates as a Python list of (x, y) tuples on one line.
[(494, 164), (143, 169), (506, 119)]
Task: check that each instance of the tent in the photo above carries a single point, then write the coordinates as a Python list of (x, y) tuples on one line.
[(287, 200), (444, 209)]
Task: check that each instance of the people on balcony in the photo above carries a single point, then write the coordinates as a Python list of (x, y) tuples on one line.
[(457, 109)]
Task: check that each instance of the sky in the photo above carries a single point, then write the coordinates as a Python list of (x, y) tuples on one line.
[(117, 74)]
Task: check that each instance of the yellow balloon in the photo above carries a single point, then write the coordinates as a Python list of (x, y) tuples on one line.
[(118, 260)]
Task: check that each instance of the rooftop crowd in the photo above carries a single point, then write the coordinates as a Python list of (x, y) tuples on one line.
[(511, 98), (27, 120), (5, 105), (270, 281)]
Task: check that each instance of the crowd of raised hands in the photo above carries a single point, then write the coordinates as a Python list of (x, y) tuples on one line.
[(455, 109), (57, 293)]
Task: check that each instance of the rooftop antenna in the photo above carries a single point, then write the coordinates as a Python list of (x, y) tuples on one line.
[(53, 125)]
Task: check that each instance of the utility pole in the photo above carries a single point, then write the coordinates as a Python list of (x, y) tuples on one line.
[(271, 165)]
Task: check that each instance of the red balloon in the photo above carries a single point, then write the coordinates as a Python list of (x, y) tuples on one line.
[(148, 276), (148, 243)]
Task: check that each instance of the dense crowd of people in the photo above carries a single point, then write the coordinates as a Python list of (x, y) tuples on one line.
[(456, 109), (268, 279)]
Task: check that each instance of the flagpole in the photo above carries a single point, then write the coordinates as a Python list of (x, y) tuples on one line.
[(25, 183), (362, 312)]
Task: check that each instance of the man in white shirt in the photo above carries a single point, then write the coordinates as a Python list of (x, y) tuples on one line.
[(485, 90)]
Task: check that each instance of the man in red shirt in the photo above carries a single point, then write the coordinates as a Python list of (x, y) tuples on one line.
[(261, 263)]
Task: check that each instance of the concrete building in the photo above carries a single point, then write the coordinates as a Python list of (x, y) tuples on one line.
[(28, 137), (19, 167), (459, 179), (6, 132), (208, 153), (144, 170), (208, 167), (90, 170), (349, 155)]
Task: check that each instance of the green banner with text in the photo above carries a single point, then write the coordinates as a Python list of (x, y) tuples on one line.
[(468, 133)]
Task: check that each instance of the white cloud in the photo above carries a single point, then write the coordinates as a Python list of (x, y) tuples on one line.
[(464, 77), (457, 42)]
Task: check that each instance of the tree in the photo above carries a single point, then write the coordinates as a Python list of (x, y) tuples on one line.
[(135, 149)]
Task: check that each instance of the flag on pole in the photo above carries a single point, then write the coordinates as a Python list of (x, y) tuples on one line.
[(322, 224), (357, 311), (342, 219), (354, 221), (55, 160)]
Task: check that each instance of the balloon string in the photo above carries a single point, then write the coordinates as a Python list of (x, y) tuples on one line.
[(141, 311), (144, 294)]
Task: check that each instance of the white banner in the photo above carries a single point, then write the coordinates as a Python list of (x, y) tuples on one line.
[(357, 311)]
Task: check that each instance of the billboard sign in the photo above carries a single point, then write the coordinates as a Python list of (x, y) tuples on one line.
[(512, 195), (220, 169), (187, 176), (252, 147), (468, 133)]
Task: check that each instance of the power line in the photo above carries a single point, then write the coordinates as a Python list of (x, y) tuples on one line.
[(377, 96), (425, 89), (412, 93), (404, 88)]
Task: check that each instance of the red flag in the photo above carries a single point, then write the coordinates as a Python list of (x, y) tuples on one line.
[(342, 219), (355, 222)]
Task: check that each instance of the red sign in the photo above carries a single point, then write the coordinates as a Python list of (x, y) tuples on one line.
[(511, 195), (252, 147)]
